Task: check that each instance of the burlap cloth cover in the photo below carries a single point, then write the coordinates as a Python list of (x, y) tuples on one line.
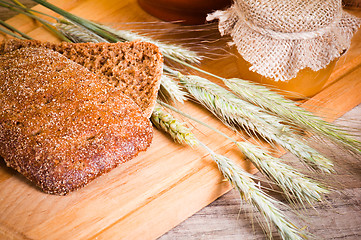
[(281, 37)]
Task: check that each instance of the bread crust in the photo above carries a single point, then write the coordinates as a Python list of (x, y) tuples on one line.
[(133, 67), (60, 125)]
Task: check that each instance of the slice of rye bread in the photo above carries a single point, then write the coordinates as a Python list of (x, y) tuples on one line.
[(60, 126), (133, 67)]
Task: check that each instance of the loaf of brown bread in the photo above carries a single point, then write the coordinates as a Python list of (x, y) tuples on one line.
[(60, 125), (134, 67)]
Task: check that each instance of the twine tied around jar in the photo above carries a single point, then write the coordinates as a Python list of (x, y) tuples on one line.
[(279, 38)]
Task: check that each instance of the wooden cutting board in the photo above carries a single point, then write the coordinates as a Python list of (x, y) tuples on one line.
[(145, 197)]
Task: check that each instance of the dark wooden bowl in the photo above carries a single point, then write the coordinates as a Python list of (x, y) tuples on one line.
[(189, 12)]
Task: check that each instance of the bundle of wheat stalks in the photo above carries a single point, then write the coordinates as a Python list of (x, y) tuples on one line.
[(244, 105)]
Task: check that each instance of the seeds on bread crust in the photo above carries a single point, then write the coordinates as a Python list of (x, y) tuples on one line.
[(60, 125)]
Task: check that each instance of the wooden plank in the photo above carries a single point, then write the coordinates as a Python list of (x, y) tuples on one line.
[(223, 219), (160, 188), (338, 98)]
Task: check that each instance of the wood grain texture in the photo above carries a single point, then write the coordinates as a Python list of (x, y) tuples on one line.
[(146, 197), (339, 217)]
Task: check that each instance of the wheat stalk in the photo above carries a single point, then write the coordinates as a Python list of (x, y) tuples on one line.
[(10, 33), (232, 110), (113, 35), (295, 185), (11, 28), (19, 8), (240, 179), (167, 49), (289, 110)]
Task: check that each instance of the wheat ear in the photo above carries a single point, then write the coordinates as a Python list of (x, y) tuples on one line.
[(77, 33), (289, 110), (300, 187), (253, 195), (232, 110), (176, 129), (172, 89)]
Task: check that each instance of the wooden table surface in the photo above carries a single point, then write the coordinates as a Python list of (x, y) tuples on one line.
[(339, 217)]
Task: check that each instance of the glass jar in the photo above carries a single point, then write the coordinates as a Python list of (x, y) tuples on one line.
[(292, 46), (306, 84)]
